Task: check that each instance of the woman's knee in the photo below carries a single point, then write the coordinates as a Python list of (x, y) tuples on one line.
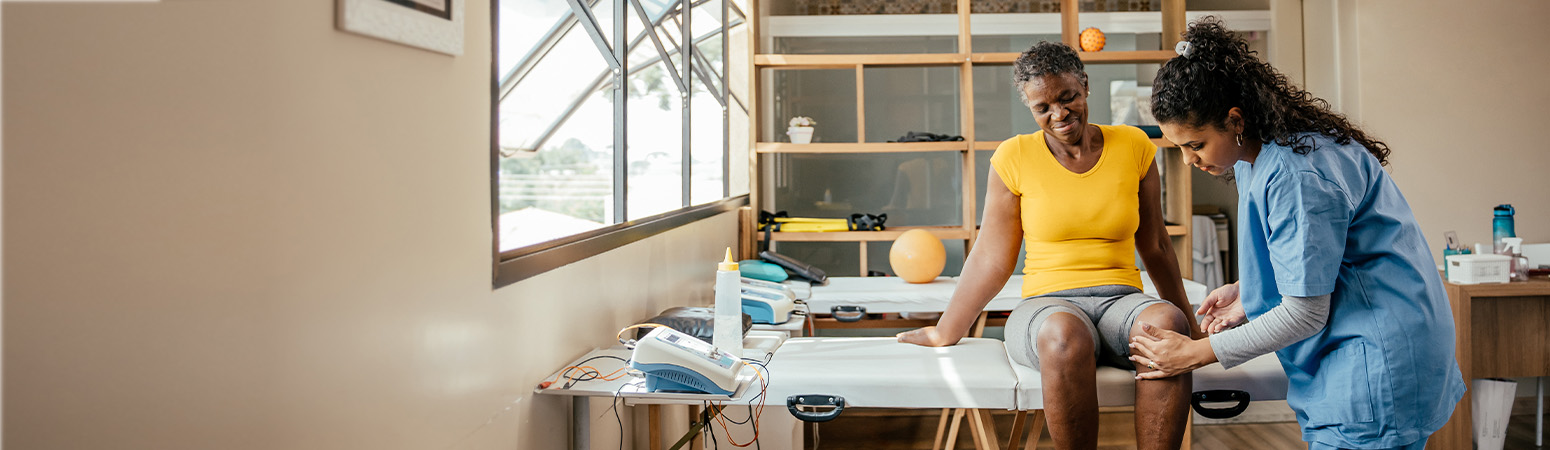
[(1063, 336), (1165, 316)]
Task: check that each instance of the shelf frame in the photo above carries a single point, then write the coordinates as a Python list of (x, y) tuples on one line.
[(1177, 205)]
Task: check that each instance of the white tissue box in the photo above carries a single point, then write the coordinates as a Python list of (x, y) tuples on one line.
[(1476, 269)]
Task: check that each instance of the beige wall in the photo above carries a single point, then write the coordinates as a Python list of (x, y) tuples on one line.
[(228, 225), (1457, 91)]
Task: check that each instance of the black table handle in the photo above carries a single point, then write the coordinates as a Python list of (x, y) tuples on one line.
[(1220, 396), (835, 401), (848, 313)]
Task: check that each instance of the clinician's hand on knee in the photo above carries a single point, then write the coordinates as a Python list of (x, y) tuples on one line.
[(928, 336), (1221, 310), (1168, 353)]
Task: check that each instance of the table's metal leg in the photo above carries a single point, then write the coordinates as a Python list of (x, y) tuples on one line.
[(580, 423), (1539, 415)]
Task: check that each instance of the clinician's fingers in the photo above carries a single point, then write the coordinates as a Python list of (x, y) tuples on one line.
[(1141, 348), (1206, 306), (1153, 375), (1154, 332)]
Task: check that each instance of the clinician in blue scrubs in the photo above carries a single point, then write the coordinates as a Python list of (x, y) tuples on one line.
[(1336, 278)]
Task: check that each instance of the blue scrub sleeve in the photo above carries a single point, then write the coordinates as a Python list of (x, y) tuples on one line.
[(1308, 217)]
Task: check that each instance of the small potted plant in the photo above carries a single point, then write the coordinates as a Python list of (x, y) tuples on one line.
[(801, 129)]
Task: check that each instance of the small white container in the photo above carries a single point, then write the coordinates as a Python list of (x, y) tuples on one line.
[(800, 135), (1476, 269)]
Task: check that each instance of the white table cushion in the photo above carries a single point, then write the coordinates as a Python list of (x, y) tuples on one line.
[(881, 372), (1116, 387), (894, 295), (1261, 377)]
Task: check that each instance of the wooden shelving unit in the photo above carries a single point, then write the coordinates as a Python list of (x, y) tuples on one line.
[(861, 147), (1178, 204)]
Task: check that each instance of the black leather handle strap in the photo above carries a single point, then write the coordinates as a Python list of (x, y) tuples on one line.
[(848, 313), (815, 400), (1220, 396)]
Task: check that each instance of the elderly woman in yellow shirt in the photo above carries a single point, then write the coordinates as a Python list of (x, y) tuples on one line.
[(1085, 199)]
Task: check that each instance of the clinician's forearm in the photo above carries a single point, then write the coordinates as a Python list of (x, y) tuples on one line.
[(1295, 319)]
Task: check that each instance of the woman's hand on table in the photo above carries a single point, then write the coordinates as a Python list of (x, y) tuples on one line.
[(926, 337), (1221, 310), (1168, 353)]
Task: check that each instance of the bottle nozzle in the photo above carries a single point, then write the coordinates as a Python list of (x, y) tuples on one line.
[(728, 263)]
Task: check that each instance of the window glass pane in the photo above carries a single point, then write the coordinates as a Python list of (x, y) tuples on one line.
[(828, 96), (560, 79), (738, 83), (566, 187), (739, 151), (711, 49), (921, 188), (706, 148), (901, 100), (522, 24), (707, 18), (655, 144), (655, 7)]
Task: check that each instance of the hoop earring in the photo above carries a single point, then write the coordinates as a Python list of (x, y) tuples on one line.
[(1240, 139)]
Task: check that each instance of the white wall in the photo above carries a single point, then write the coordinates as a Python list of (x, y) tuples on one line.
[(228, 225), (1455, 90)]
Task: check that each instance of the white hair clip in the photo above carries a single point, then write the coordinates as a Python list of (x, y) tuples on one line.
[(1182, 48)]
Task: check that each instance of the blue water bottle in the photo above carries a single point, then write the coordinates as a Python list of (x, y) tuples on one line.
[(1501, 226)]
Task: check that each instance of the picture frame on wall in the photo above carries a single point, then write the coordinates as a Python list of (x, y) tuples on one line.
[(435, 25)]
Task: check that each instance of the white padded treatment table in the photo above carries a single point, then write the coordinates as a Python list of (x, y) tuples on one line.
[(977, 374), (1261, 377), (894, 295), (883, 373)]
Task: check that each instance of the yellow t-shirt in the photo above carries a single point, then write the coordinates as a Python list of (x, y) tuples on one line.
[(1079, 229)]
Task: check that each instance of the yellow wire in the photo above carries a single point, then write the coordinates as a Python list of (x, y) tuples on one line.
[(620, 336)]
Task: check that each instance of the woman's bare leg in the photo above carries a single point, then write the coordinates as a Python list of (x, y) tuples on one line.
[(1162, 406), (1069, 366)]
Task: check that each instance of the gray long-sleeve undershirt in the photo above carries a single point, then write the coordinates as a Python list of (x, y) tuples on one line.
[(1295, 319)]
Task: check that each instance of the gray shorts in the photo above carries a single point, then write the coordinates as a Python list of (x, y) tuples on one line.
[(1108, 311)]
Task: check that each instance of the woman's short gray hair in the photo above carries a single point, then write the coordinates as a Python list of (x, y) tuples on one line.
[(1046, 58)]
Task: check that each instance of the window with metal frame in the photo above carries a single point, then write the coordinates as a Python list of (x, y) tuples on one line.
[(612, 124)]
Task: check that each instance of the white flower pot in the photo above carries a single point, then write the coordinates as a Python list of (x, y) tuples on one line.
[(800, 135)]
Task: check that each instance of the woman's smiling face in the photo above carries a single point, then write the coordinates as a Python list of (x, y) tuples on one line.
[(1059, 104)]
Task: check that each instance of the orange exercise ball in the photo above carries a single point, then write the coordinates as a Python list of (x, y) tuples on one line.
[(917, 256), (1092, 40)]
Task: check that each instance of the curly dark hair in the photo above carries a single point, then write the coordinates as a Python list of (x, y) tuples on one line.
[(1046, 58), (1219, 72)]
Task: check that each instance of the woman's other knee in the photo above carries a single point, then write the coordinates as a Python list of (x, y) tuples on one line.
[(1063, 336)]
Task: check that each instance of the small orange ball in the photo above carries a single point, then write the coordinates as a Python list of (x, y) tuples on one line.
[(1093, 40), (917, 256)]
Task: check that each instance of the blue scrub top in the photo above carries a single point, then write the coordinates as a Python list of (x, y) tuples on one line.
[(1382, 372)]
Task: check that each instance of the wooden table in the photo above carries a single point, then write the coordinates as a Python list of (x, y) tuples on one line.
[(1503, 331)]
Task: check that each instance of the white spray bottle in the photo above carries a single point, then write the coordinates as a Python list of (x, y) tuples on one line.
[(728, 333)]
